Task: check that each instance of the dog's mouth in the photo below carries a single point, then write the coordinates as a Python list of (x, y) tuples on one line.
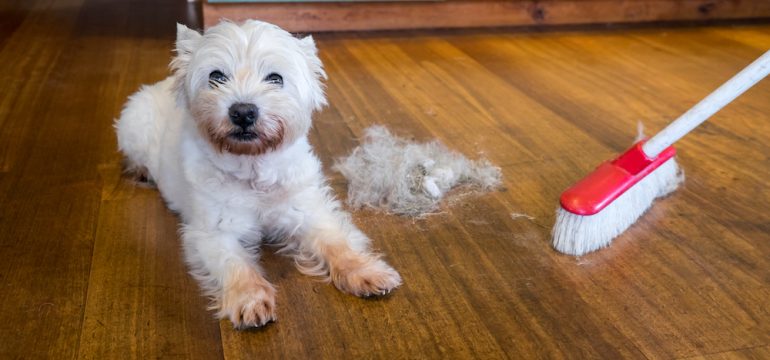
[(243, 135)]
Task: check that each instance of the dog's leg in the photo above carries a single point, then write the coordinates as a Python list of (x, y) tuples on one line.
[(229, 274), (331, 245)]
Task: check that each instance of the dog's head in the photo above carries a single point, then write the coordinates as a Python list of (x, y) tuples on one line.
[(251, 87)]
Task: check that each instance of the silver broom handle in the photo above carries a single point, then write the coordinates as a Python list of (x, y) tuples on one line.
[(699, 113)]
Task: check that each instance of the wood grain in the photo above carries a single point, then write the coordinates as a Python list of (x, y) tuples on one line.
[(91, 263), (346, 16)]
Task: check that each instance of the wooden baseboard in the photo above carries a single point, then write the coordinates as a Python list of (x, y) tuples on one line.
[(314, 17)]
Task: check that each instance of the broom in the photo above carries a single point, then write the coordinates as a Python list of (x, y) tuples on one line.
[(605, 203)]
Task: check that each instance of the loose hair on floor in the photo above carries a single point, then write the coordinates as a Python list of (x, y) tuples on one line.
[(408, 178)]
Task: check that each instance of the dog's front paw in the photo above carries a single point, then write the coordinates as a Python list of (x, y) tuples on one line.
[(249, 301), (366, 277)]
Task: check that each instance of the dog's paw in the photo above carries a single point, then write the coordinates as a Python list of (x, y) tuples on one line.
[(249, 302), (372, 277)]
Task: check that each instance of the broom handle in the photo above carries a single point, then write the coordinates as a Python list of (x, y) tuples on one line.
[(711, 104)]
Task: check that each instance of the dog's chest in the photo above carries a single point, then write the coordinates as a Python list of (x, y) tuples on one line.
[(255, 193), (245, 205)]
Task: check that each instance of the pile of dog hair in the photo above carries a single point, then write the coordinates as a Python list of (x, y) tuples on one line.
[(408, 178)]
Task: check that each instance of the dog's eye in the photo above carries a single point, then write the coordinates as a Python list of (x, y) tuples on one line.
[(216, 78), (274, 79)]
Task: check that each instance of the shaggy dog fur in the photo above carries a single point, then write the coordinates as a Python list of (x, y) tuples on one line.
[(225, 140), (408, 178)]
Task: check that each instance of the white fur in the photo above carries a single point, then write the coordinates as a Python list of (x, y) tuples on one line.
[(577, 234), (229, 202), (409, 178)]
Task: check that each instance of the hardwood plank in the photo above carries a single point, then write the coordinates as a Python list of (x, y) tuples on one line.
[(46, 222), (51, 22), (46, 250), (757, 353), (367, 16), (750, 36), (431, 95)]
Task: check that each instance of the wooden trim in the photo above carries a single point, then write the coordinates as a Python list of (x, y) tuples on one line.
[(306, 17)]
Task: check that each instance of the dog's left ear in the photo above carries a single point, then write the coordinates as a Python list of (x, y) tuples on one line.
[(316, 67), (186, 41)]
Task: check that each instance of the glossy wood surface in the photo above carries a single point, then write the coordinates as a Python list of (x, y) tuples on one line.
[(90, 263)]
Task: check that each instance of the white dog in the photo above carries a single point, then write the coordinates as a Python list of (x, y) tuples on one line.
[(225, 140)]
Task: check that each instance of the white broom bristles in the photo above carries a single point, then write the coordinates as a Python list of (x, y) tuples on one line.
[(577, 234)]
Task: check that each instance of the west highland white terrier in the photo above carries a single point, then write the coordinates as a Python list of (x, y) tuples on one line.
[(224, 138)]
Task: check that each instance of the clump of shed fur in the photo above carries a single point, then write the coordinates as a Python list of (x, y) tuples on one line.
[(408, 178)]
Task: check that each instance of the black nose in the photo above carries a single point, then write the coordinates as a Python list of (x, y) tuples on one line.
[(243, 115)]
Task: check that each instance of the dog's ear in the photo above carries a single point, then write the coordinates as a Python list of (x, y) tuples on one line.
[(186, 42), (307, 44), (186, 38)]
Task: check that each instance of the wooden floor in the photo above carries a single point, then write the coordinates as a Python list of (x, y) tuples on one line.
[(90, 263)]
